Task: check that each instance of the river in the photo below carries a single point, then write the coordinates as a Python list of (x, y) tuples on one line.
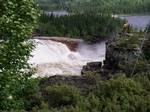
[(55, 58)]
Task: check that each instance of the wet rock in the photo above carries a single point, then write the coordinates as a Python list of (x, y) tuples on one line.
[(120, 57), (92, 67)]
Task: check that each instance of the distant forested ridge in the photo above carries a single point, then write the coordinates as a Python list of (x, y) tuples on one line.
[(89, 27), (82, 6)]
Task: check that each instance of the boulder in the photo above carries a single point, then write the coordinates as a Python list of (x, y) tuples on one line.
[(92, 67)]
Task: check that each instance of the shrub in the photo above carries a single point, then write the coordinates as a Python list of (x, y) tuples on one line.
[(124, 95), (118, 94), (62, 95), (91, 77)]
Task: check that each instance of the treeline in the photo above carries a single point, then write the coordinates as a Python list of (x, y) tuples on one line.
[(88, 6), (89, 27)]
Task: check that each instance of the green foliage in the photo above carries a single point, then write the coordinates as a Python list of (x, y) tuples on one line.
[(125, 42), (17, 20), (92, 77), (123, 94), (62, 95), (89, 27), (117, 94), (132, 41)]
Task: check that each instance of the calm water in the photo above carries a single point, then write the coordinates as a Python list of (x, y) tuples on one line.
[(139, 22)]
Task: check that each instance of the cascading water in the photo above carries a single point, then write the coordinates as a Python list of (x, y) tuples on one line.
[(55, 58)]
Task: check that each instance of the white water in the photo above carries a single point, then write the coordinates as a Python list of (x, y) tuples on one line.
[(54, 58)]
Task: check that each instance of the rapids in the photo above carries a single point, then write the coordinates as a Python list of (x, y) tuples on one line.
[(54, 58)]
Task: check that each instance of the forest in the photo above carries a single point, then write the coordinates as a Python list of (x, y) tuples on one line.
[(97, 6), (89, 27), (120, 84)]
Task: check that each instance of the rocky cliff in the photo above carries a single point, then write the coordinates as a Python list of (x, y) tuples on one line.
[(122, 55)]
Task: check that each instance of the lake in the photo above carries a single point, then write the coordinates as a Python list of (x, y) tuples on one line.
[(137, 21)]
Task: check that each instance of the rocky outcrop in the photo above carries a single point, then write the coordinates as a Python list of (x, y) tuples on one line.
[(72, 44), (120, 57), (92, 67), (117, 58)]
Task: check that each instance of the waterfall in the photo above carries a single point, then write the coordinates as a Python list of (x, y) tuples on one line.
[(55, 58)]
